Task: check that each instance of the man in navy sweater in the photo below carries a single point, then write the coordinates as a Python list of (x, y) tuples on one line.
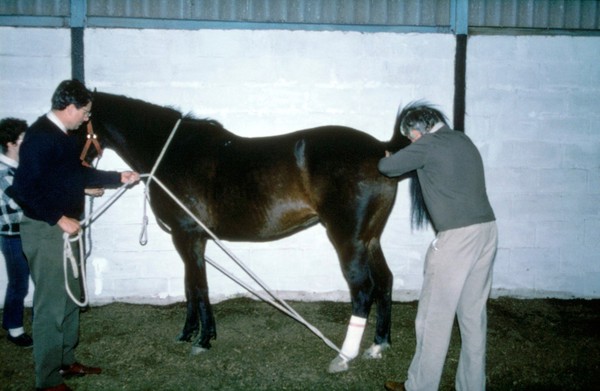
[(50, 185)]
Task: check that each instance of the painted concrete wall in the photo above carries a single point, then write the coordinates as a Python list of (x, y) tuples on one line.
[(531, 106)]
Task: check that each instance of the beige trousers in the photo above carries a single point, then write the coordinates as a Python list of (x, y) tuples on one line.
[(457, 281)]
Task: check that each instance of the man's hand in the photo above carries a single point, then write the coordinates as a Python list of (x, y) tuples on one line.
[(69, 225), (129, 177), (94, 192)]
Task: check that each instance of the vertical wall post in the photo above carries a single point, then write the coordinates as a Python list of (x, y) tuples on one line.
[(77, 24), (460, 27)]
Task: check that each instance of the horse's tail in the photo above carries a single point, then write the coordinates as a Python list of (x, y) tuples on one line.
[(398, 140), (419, 214)]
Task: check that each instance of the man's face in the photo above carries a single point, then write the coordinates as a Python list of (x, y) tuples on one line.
[(77, 116), (414, 135)]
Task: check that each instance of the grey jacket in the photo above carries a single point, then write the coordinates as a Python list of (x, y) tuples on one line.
[(450, 171)]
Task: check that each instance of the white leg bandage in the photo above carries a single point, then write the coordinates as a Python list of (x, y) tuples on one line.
[(351, 345)]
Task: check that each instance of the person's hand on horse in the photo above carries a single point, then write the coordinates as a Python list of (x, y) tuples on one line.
[(130, 177)]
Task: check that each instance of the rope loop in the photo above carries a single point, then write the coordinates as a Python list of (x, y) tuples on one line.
[(69, 259)]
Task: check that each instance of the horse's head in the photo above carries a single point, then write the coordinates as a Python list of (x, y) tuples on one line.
[(134, 129)]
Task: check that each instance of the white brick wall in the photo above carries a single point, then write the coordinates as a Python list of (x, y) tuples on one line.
[(531, 105)]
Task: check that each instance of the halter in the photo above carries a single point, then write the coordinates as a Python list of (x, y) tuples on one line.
[(91, 139)]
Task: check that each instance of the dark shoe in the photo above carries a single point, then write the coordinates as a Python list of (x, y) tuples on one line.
[(22, 340), (394, 386), (60, 387), (77, 369)]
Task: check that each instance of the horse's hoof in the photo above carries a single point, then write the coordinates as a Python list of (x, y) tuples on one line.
[(196, 350), (185, 337), (338, 364), (375, 351)]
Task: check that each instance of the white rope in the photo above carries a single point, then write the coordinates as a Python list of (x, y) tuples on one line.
[(70, 259), (278, 302), (275, 304), (144, 232)]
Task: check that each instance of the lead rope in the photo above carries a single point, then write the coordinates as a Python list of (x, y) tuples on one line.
[(68, 257), (144, 234), (78, 268)]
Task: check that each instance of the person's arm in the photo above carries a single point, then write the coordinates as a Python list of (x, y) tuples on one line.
[(405, 160), (100, 178), (127, 177)]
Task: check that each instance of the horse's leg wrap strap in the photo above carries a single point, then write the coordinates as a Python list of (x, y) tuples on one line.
[(351, 345)]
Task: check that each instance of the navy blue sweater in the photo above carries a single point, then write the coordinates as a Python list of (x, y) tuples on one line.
[(50, 180)]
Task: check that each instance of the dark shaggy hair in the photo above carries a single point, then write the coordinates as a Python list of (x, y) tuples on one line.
[(419, 115), (10, 130)]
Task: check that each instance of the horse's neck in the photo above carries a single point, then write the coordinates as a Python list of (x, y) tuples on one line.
[(135, 151)]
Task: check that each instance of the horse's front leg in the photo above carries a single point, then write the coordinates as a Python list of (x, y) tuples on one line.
[(199, 311)]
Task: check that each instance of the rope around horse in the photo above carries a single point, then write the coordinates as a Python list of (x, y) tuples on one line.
[(274, 299)]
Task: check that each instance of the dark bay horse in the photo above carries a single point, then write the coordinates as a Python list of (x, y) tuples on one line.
[(261, 189)]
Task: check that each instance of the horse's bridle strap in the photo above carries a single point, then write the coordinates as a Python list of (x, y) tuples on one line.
[(91, 139)]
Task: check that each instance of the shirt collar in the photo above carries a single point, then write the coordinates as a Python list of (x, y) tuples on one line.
[(52, 117), (437, 127), (8, 161)]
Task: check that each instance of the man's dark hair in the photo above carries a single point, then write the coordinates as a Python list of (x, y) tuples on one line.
[(10, 131), (71, 92), (420, 116)]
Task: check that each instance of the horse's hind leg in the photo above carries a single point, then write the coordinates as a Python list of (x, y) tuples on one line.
[(191, 248), (370, 280), (383, 278), (354, 259)]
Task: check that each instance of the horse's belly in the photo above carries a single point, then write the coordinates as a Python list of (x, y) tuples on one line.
[(263, 224)]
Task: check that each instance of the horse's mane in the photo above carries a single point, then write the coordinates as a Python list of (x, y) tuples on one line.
[(206, 120), (138, 108)]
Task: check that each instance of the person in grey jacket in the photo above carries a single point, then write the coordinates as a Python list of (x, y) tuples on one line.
[(458, 264)]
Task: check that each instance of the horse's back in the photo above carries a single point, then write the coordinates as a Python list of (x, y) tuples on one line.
[(268, 187)]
